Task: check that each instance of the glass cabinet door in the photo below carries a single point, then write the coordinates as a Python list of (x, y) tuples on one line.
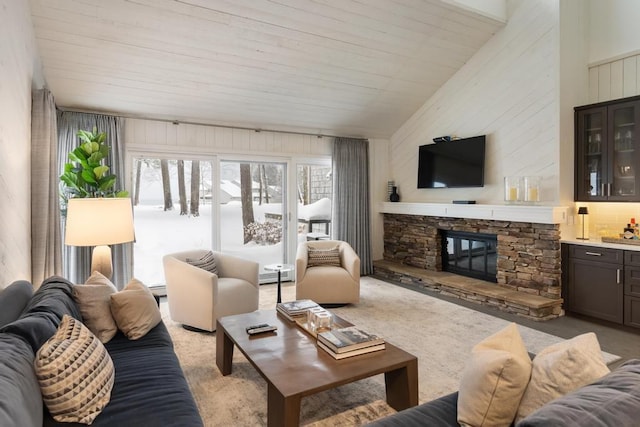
[(624, 152), (591, 152)]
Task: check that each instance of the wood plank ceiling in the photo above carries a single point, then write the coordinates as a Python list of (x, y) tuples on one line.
[(338, 67)]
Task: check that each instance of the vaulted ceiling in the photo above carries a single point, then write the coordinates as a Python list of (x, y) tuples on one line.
[(340, 67)]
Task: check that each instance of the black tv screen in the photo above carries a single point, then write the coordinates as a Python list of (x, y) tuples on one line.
[(452, 164)]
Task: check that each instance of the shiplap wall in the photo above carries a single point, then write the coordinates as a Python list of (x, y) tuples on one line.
[(17, 52), (615, 79), (153, 136), (509, 91), (162, 136)]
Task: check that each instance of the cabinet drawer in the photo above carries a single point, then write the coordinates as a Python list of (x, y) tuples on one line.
[(632, 311), (593, 253), (632, 258)]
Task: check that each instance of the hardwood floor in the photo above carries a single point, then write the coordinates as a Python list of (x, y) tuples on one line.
[(613, 338)]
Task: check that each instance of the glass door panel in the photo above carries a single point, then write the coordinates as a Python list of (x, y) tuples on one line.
[(315, 192), (591, 152), (624, 152), (252, 213), (172, 211)]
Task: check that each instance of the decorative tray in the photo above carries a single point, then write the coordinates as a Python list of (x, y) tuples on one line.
[(336, 322), (621, 241)]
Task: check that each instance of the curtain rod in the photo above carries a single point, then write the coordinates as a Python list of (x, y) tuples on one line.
[(178, 122)]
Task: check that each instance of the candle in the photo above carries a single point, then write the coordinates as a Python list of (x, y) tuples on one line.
[(533, 194), (513, 193)]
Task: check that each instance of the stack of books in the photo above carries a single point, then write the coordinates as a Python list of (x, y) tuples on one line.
[(349, 341), (295, 309)]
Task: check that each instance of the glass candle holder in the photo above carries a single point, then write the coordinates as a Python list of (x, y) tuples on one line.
[(532, 189), (318, 319), (512, 189)]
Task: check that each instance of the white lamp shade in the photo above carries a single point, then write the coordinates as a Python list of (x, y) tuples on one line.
[(99, 221)]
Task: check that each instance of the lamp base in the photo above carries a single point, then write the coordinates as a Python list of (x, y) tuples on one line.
[(101, 261)]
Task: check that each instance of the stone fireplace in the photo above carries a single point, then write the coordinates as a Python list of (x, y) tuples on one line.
[(528, 254)]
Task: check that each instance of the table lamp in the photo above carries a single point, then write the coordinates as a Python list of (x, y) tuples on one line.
[(583, 211), (99, 222)]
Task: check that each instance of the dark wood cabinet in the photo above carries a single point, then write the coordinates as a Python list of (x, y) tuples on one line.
[(601, 282), (607, 150), (595, 283)]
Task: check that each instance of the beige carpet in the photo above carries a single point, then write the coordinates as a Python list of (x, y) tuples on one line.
[(439, 333)]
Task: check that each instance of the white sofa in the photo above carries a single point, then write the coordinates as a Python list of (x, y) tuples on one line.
[(328, 284), (197, 297)]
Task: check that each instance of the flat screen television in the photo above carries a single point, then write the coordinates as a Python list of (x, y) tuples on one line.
[(452, 164)]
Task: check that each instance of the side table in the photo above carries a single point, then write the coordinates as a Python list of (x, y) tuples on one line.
[(279, 268)]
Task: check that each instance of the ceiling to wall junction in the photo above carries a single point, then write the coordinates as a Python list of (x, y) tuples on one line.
[(341, 67)]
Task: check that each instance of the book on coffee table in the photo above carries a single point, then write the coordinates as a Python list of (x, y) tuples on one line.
[(356, 352), (348, 339), (295, 309)]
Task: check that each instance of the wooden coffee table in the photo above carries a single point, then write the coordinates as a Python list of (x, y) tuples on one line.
[(294, 367)]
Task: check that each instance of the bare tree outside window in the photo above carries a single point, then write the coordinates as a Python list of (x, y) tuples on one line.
[(194, 203), (246, 197)]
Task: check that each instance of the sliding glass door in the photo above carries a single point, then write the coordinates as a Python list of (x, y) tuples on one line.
[(314, 187), (252, 212), (172, 211)]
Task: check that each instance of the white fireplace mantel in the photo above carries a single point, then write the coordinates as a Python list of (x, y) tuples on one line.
[(518, 213)]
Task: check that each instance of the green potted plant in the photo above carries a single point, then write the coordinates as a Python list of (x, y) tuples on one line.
[(86, 175)]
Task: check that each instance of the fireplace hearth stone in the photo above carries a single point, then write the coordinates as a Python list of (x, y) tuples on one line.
[(525, 304)]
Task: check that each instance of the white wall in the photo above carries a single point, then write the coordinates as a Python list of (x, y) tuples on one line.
[(614, 28), (573, 51), (509, 90), (17, 53)]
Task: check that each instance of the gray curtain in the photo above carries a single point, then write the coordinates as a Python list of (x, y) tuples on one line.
[(351, 197), (46, 240), (77, 260)]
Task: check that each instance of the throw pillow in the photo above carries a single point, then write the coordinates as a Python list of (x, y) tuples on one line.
[(93, 299), (560, 369), (135, 310), (206, 262), (323, 257), (613, 400), (75, 373), (494, 380)]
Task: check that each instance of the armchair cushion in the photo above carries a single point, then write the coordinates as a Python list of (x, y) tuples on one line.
[(324, 257), (206, 262)]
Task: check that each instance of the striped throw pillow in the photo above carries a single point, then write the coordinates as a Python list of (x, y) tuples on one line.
[(323, 257), (75, 373), (207, 262)]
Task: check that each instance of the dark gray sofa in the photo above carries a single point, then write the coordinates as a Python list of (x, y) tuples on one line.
[(149, 389), (613, 400)]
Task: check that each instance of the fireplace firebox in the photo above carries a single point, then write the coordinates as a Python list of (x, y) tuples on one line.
[(470, 254)]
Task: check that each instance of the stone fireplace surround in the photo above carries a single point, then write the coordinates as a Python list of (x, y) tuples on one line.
[(528, 261)]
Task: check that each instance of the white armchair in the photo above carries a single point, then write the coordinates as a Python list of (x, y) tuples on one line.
[(197, 297), (328, 284)]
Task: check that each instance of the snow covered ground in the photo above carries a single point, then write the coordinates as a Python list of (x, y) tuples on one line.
[(159, 233)]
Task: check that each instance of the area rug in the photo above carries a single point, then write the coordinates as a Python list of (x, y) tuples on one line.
[(439, 333)]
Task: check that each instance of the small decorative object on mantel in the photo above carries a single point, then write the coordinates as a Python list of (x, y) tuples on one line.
[(531, 189), (394, 196), (512, 189)]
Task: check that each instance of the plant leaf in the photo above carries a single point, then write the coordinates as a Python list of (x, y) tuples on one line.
[(107, 182), (100, 171), (88, 176)]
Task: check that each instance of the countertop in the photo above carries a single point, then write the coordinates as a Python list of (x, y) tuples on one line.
[(596, 242)]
